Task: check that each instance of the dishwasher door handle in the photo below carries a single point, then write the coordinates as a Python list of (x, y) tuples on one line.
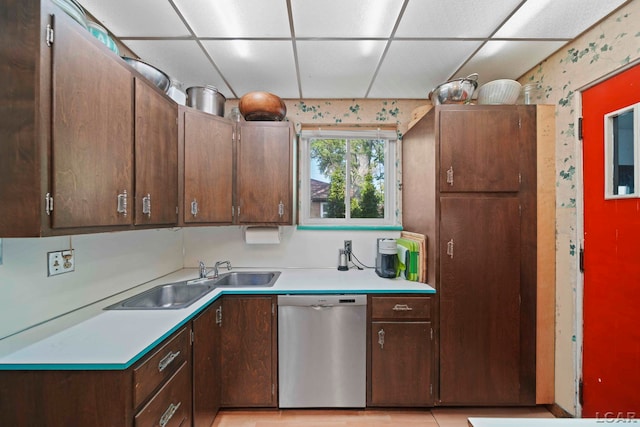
[(320, 306)]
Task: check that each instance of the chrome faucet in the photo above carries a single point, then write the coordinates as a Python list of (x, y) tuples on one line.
[(203, 270), (218, 264)]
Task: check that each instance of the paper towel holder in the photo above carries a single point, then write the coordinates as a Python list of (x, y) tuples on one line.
[(262, 235)]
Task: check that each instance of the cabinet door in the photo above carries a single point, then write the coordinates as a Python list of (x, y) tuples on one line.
[(208, 168), (206, 365), (479, 300), (92, 133), (248, 358), (156, 157), (400, 364), (479, 149), (265, 174)]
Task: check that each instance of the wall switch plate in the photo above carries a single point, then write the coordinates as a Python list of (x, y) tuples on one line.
[(59, 262)]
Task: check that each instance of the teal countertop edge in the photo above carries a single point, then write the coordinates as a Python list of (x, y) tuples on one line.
[(351, 227), (123, 366)]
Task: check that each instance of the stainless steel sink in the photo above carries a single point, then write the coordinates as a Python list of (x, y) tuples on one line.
[(240, 279), (183, 294), (169, 296)]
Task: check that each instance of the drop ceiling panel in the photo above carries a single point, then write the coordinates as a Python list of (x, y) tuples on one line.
[(247, 18), (508, 59), (431, 41), (139, 18), (339, 18), (412, 68), (556, 19), (331, 69), (182, 60), (249, 65), (460, 19)]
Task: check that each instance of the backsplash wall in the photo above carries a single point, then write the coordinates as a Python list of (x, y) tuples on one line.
[(105, 264)]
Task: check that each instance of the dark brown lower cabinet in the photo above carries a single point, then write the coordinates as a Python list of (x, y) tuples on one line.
[(401, 365), (206, 365), (400, 352), (248, 348), (158, 388)]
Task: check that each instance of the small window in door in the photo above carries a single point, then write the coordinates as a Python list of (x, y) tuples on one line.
[(622, 155)]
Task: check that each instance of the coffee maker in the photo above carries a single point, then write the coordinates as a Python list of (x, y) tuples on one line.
[(387, 258)]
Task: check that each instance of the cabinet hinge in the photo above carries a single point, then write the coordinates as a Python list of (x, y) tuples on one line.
[(49, 35), (431, 333), (193, 338), (519, 123), (580, 128), (581, 259), (273, 309), (519, 178), (273, 389), (430, 389)]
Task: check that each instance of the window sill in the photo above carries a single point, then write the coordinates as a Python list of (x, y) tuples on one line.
[(351, 227)]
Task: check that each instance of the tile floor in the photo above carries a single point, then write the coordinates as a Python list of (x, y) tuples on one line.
[(437, 417)]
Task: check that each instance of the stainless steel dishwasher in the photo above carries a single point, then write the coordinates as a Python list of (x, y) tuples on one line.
[(322, 351)]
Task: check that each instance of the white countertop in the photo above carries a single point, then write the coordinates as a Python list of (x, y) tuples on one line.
[(116, 339)]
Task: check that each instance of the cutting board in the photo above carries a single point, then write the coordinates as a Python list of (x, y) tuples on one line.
[(421, 239)]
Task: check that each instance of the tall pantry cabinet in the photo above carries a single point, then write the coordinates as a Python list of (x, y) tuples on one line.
[(479, 182)]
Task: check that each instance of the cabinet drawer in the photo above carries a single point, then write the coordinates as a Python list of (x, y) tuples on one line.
[(171, 406), (402, 307), (155, 369)]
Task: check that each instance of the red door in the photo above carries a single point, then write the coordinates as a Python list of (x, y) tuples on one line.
[(611, 346)]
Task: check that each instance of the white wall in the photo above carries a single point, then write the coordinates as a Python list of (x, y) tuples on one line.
[(297, 249), (105, 264), (108, 263)]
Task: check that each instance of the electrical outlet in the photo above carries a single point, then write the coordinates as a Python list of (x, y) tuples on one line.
[(60, 262), (347, 248)]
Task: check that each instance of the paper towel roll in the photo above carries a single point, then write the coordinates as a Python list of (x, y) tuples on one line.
[(262, 235)]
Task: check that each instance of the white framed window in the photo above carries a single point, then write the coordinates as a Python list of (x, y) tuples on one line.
[(348, 177), (622, 154)]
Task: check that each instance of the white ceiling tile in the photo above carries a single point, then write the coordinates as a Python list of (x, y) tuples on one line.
[(331, 69), (460, 18), (250, 65), (339, 18), (412, 68), (247, 18), (182, 60), (508, 59), (556, 19), (139, 18)]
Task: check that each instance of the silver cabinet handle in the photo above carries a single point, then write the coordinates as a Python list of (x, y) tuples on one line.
[(281, 209), (166, 361), (146, 205), (450, 176), (48, 203), (194, 207), (122, 203), (450, 248), (402, 307), (166, 417), (219, 316), (381, 338)]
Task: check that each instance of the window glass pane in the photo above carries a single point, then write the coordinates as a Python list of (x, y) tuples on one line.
[(327, 178), (623, 155), (366, 173)]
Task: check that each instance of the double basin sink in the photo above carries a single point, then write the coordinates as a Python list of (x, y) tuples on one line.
[(182, 294)]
